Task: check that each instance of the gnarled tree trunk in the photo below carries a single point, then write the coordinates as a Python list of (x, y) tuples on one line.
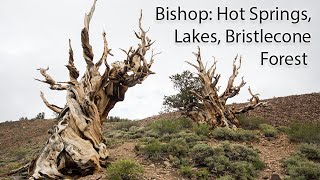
[(76, 144), (211, 107)]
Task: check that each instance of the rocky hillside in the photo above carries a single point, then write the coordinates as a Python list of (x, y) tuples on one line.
[(278, 111), (283, 110), (21, 140)]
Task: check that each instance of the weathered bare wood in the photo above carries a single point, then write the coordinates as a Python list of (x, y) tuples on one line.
[(211, 108), (76, 144), (53, 107)]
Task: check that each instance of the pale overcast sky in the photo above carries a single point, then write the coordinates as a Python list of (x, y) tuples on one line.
[(35, 34)]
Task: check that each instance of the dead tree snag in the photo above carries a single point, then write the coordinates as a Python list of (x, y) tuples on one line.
[(76, 144), (211, 107)]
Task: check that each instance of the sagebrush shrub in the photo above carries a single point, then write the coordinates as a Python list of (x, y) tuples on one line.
[(298, 167), (312, 152), (222, 133), (238, 161), (178, 147), (125, 125), (166, 126), (186, 171), (200, 152), (154, 150), (125, 169), (268, 130), (305, 164), (201, 129), (250, 123), (304, 132)]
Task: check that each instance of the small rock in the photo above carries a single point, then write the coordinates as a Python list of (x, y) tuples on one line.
[(167, 164), (152, 165)]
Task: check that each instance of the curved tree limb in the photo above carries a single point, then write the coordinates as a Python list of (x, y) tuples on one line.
[(73, 72), (50, 106), (211, 107), (50, 81)]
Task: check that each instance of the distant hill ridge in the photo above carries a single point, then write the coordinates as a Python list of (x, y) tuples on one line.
[(278, 111)]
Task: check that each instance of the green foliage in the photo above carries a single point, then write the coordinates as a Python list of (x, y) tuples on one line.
[(177, 162), (304, 132), (112, 143), (190, 138), (185, 123), (226, 177), (298, 167), (125, 125), (236, 152), (201, 129), (183, 83), (178, 147), (222, 133), (238, 161), (200, 152), (311, 152), (116, 119), (186, 171), (40, 115), (268, 130), (305, 163), (283, 129), (217, 164), (168, 126), (125, 170), (152, 134), (154, 150), (202, 174), (250, 123)]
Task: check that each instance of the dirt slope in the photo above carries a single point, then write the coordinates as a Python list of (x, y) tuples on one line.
[(283, 110), (21, 139)]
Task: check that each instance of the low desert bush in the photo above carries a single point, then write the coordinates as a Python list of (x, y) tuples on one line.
[(115, 119), (310, 151), (201, 129), (200, 152), (124, 170), (305, 163), (250, 123), (189, 137), (268, 130), (112, 143), (282, 129), (178, 147), (226, 177), (125, 125), (185, 123), (234, 135), (166, 126), (307, 132), (202, 174), (238, 161), (186, 171), (153, 150), (298, 167)]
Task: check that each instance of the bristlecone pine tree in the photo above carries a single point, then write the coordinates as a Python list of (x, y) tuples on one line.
[(210, 107), (76, 144)]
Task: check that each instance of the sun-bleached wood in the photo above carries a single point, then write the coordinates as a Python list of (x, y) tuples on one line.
[(76, 144), (211, 107)]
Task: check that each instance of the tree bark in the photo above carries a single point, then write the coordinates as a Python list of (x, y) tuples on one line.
[(211, 107), (76, 144)]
